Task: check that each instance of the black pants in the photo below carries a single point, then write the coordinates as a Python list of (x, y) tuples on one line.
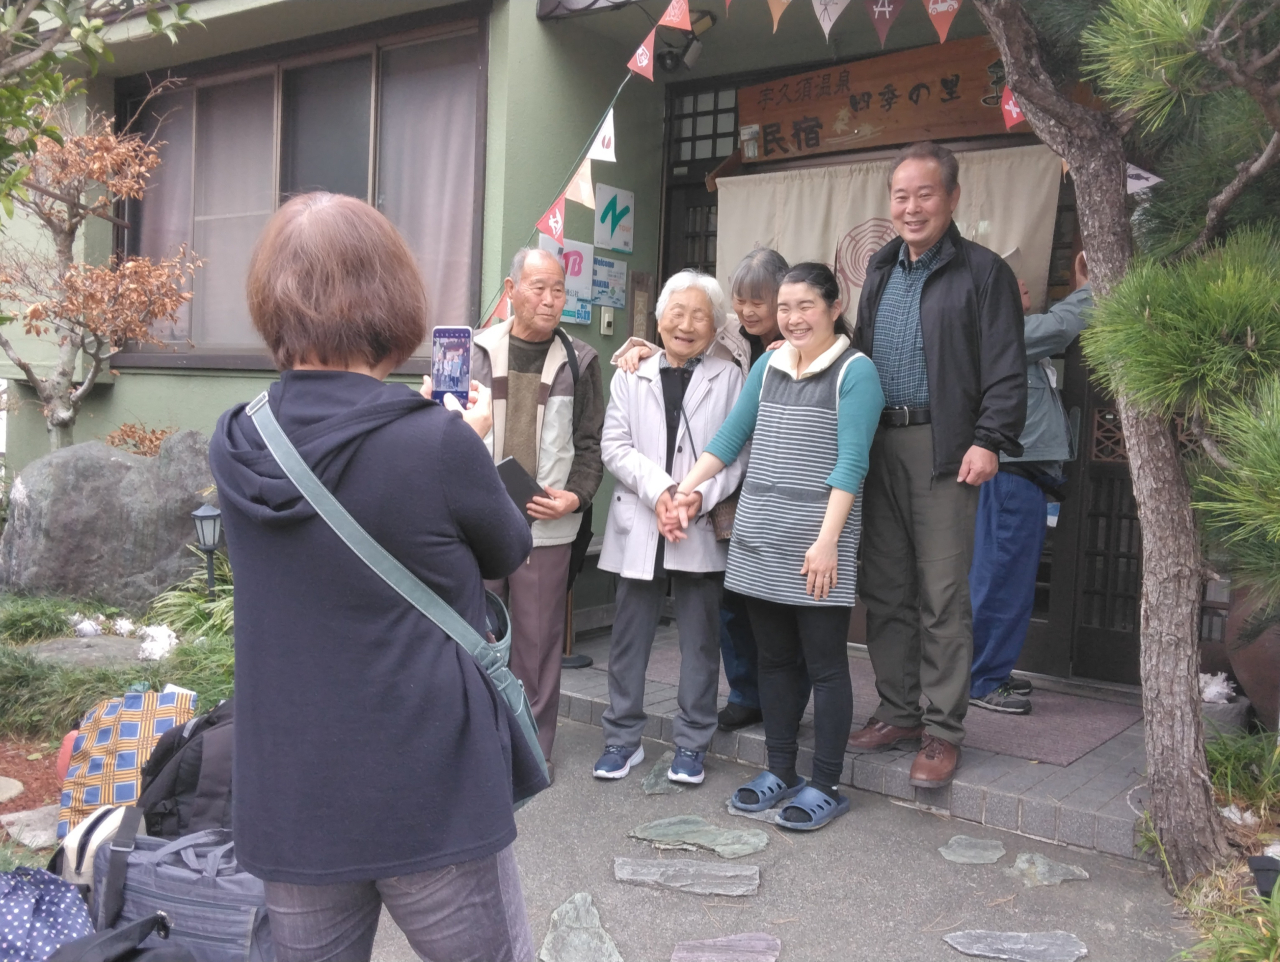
[(783, 632)]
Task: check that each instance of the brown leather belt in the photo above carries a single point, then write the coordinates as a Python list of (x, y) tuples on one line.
[(902, 417)]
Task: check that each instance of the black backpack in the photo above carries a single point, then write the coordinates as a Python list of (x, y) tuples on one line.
[(186, 783)]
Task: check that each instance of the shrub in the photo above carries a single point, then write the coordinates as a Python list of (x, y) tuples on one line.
[(26, 619), (1245, 769), (39, 699), (186, 607)]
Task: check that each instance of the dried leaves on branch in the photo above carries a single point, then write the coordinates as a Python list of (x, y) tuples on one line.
[(138, 439), (87, 310)]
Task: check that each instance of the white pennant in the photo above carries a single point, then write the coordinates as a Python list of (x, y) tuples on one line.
[(828, 12), (602, 146), (580, 189)]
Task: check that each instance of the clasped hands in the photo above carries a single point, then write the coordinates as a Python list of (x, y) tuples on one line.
[(675, 511)]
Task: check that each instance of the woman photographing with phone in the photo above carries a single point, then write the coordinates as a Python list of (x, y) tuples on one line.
[(810, 410)]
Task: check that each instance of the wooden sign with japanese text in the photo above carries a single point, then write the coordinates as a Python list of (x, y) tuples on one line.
[(931, 93)]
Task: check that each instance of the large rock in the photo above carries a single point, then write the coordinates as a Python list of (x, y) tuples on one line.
[(93, 521)]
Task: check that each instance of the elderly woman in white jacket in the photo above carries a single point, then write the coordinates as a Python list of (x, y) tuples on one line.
[(659, 419)]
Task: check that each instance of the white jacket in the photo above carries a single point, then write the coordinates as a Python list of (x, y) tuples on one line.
[(634, 449)]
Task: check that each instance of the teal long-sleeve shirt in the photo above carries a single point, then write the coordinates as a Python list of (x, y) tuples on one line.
[(858, 414)]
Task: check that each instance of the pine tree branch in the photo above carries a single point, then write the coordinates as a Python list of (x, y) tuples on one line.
[(1257, 21), (1195, 424), (1247, 172)]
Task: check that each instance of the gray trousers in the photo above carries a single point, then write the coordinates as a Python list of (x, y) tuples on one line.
[(635, 622), (917, 544), (469, 912)]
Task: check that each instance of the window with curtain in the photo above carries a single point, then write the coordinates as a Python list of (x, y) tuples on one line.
[(394, 124)]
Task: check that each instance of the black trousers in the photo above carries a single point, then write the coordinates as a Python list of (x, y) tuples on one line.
[(783, 632)]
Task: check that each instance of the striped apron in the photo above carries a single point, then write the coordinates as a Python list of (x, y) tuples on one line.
[(785, 493)]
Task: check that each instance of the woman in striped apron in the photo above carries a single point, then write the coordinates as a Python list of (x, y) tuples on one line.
[(810, 410)]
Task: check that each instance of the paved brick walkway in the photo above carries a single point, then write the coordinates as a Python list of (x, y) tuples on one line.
[(1092, 803)]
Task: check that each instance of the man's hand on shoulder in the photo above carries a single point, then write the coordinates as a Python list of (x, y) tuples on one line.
[(979, 465)]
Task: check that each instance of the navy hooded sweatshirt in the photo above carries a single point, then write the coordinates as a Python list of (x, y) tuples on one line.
[(368, 744)]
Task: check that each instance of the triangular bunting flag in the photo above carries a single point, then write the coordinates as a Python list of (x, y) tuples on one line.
[(726, 5), (677, 16), (602, 146), (552, 222), (642, 60), (776, 7), (580, 190), (1013, 114), (942, 12), (828, 12), (883, 13)]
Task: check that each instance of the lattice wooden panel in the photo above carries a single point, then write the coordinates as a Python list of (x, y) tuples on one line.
[(1108, 439)]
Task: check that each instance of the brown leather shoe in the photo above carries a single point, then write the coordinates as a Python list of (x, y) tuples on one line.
[(936, 764), (879, 737)]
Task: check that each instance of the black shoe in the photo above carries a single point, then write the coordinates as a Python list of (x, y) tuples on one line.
[(1003, 699), (734, 716), (1019, 686)]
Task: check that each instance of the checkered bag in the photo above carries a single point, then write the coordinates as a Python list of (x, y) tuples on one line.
[(115, 740)]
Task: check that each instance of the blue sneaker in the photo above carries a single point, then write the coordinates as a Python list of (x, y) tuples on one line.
[(687, 767), (616, 761)]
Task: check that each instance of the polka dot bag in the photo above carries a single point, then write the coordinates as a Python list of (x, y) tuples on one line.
[(114, 741), (39, 913)]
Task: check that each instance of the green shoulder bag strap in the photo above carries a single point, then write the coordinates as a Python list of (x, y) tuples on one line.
[(491, 657)]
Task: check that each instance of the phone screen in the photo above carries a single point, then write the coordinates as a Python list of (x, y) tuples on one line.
[(451, 363)]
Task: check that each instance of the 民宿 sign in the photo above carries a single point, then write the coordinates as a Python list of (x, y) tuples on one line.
[(931, 93)]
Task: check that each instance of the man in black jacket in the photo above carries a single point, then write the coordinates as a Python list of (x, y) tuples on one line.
[(941, 317)]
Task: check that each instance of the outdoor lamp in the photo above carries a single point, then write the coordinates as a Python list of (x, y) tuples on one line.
[(208, 521)]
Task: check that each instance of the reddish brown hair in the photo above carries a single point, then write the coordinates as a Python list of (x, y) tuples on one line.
[(332, 282)]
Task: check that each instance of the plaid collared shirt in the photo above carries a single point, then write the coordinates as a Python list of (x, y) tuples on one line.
[(898, 347)]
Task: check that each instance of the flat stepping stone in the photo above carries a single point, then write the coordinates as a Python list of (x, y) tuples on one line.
[(690, 833), (1018, 946), (687, 875), (966, 850), (752, 947), (9, 788), (656, 782), (1034, 869), (576, 934), (99, 651), (769, 815), (37, 828)]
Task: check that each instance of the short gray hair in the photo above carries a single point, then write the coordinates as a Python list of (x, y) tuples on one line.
[(928, 150), (522, 255), (688, 278), (758, 275)]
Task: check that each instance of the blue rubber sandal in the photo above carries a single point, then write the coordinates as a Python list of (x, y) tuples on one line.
[(821, 807), (769, 789)]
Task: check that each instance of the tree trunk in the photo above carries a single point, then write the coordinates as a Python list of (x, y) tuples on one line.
[(1182, 804), (59, 436), (1091, 142)]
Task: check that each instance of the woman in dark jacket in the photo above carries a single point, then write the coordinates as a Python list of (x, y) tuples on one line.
[(374, 761)]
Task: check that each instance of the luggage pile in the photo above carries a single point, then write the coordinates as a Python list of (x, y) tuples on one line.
[(146, 869)]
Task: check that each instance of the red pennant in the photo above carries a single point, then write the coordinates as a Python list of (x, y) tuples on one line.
[(552, 223), (883, 13), (942, 12), (642, 60), (677, 16), (1013, 114)]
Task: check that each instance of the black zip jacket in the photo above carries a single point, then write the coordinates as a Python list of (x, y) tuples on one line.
[(972, 325)]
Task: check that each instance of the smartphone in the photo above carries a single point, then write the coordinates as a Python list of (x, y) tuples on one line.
[(451, 363)]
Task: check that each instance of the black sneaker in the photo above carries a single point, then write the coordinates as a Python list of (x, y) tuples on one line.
[(734, 716), (1019, 686), (1003, 699)]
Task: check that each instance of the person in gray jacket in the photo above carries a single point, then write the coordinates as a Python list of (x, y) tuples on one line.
[(1009, 535)]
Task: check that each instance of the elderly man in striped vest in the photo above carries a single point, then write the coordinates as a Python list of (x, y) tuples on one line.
[(548, 412)]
